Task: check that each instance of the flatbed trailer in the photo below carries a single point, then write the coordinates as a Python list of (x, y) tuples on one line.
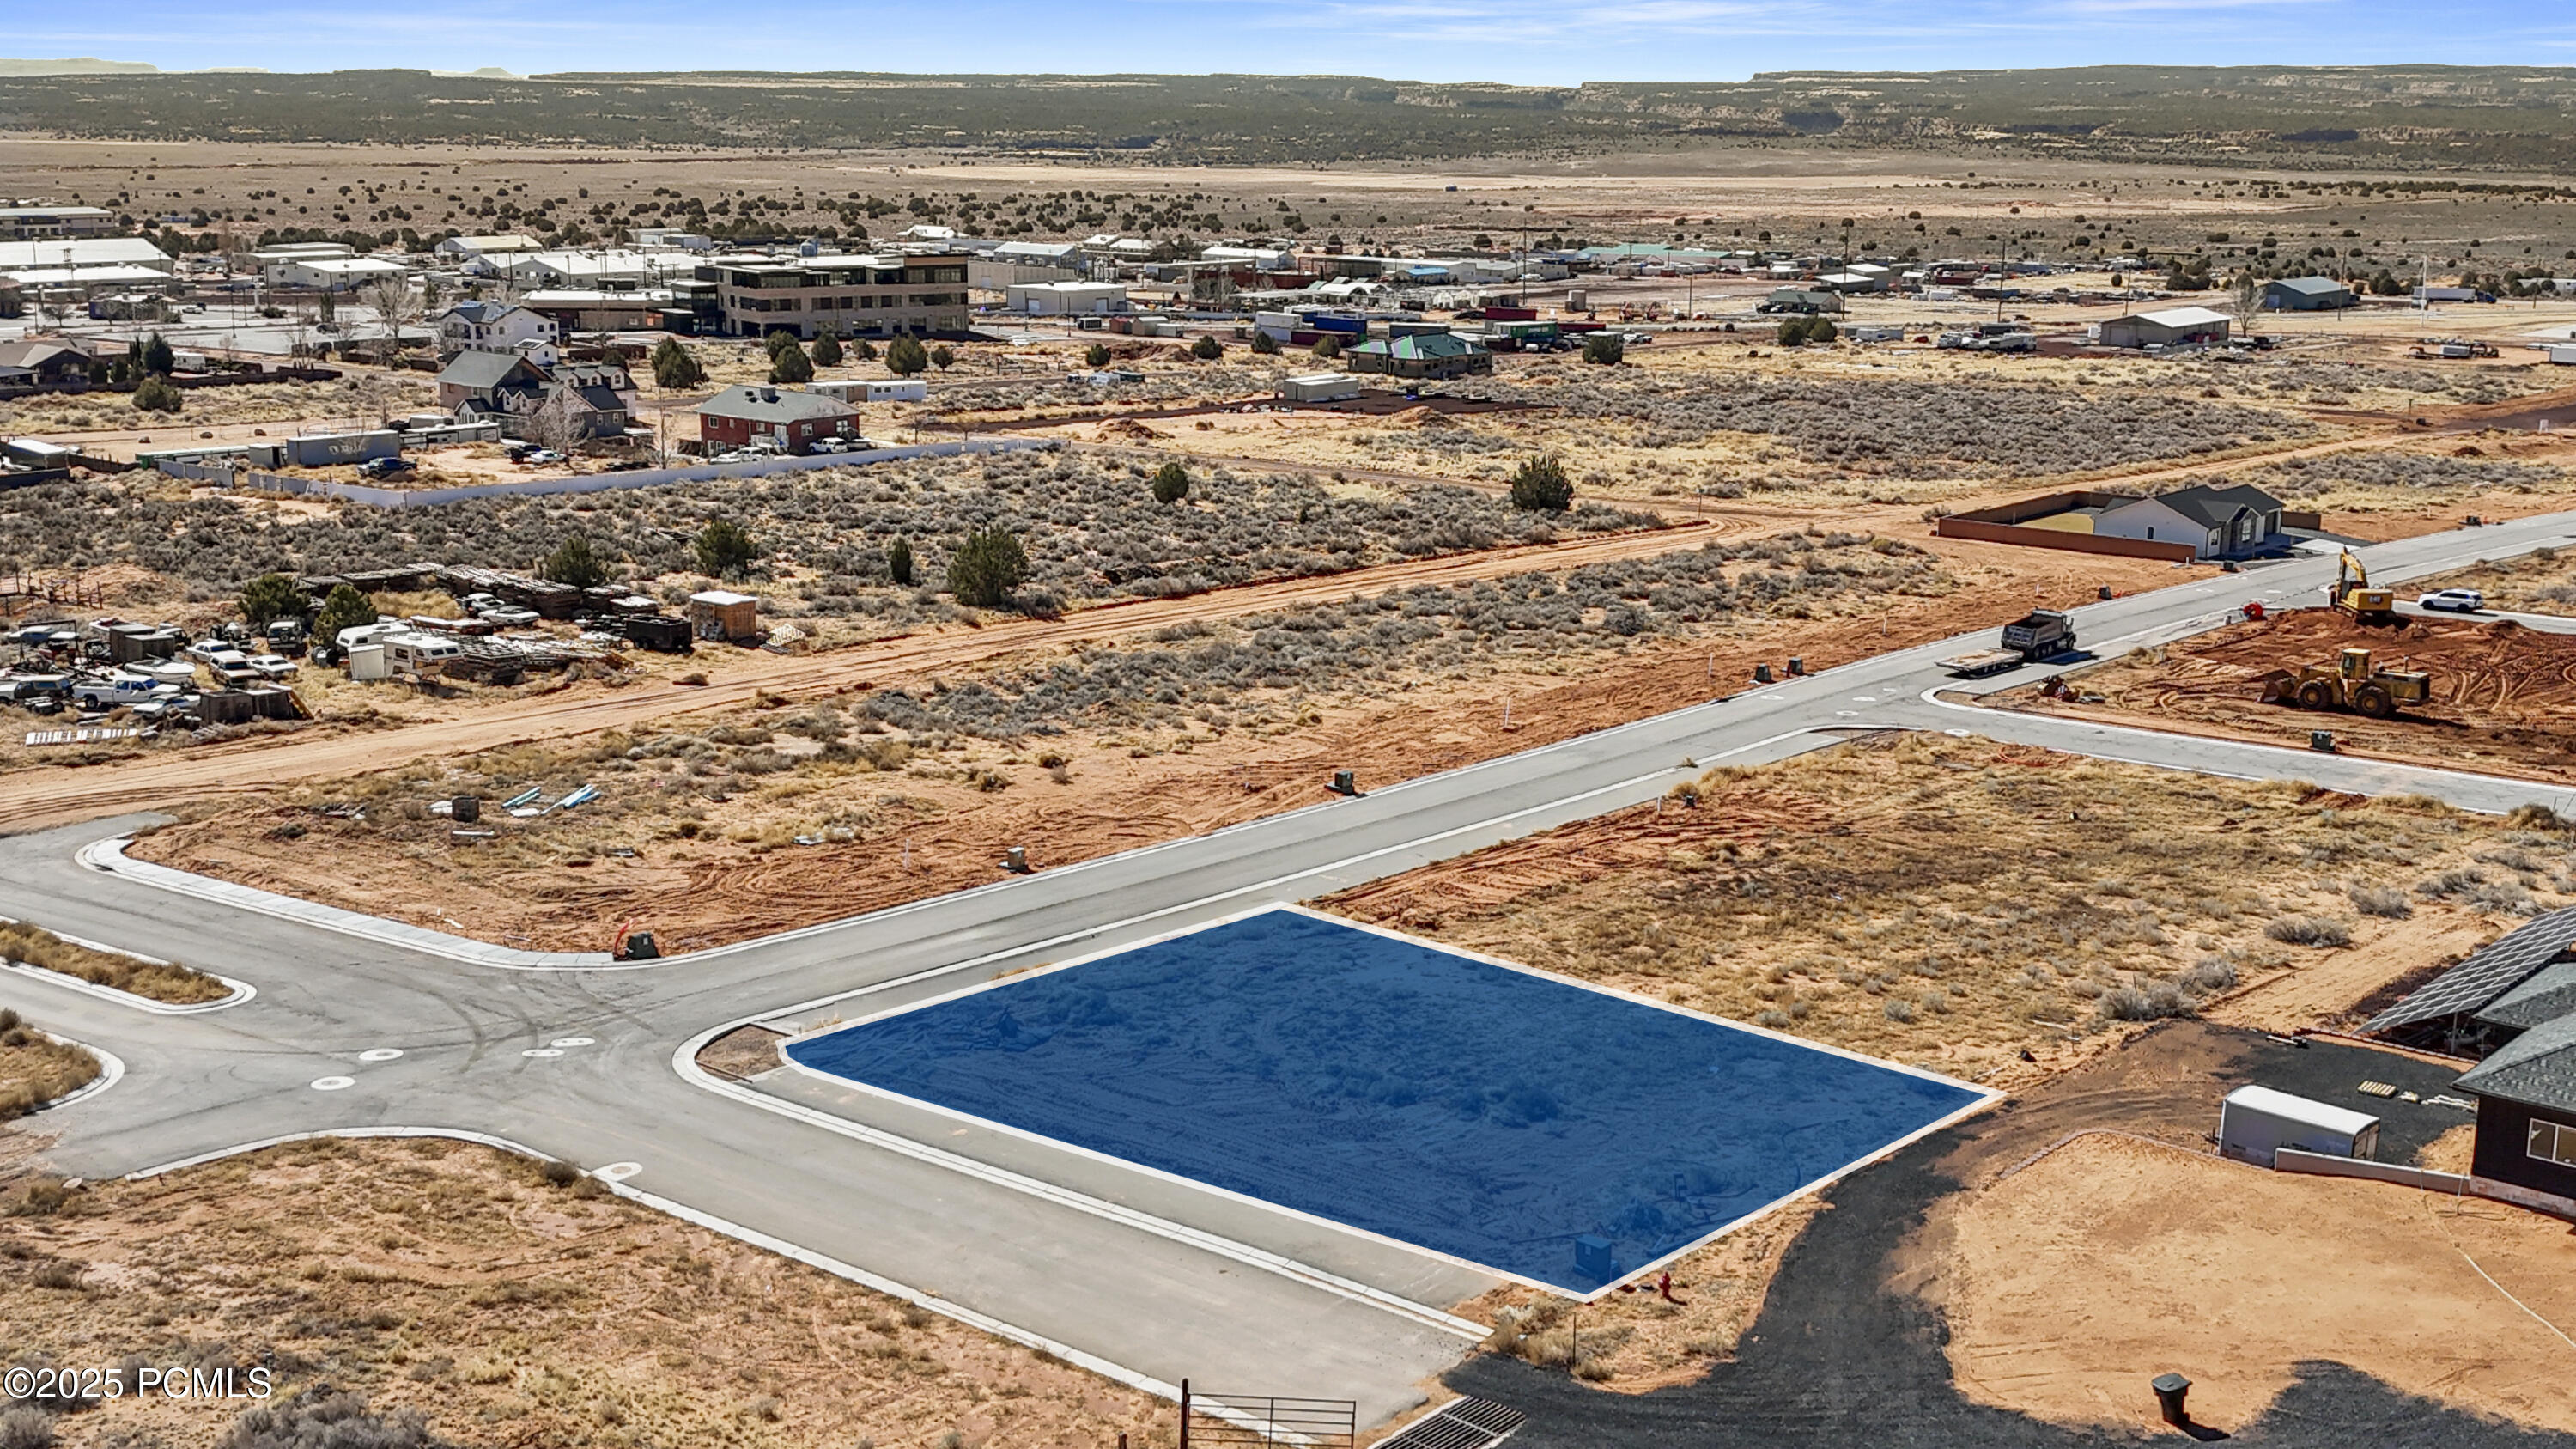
[(1984, 662)]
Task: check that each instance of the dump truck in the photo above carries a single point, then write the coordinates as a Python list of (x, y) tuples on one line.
[(2354, 595), (2352, 682), (2040, 634)]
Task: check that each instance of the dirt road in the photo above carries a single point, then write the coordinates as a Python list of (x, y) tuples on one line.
[(35, 799)]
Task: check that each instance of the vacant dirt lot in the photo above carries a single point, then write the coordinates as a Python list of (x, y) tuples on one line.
[(2069, 1283), (2503, 697), (770, 817), (1960, 903), (453, 1281)]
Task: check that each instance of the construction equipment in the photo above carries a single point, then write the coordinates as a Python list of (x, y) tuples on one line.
[(2354, 595), (2353, 682)]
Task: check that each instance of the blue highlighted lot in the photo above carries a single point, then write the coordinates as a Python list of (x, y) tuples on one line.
[(1517, 1121)]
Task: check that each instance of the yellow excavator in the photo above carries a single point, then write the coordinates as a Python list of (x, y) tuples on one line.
[(2352, 682), (2354, 595)]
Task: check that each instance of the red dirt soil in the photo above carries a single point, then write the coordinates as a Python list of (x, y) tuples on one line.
[(2503, 696)]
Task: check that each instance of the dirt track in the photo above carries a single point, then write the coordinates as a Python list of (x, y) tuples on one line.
[(38, 798), (2503, 697)]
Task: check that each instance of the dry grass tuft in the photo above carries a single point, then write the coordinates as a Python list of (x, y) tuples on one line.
[(160, 980)]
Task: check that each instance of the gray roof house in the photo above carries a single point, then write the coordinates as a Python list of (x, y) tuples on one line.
[(2512, 1002), (2216, 522)]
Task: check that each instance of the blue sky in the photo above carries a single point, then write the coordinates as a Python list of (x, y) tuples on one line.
[(1528, 41)]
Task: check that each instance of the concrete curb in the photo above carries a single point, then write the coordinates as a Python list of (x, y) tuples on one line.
[(684, 1062), (108, 856), (111, 1070), (1116, 1373), (242, 991)]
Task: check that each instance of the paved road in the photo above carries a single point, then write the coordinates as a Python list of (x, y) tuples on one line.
[(1149, 1281)]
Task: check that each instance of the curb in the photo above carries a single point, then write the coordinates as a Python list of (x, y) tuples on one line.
[(108, 856), (111, 1070), (931, 1302)]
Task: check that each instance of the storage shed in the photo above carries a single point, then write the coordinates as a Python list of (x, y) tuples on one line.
[(2254, 1123), (724, 616), (1315, 387)]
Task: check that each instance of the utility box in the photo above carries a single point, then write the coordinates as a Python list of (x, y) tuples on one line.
[(1594, 1259), (2254, 1123)]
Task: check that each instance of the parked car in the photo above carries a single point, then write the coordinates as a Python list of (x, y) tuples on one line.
[(272, 666), (508, 616), (204, 651), (384, 467), (540, 457), (830, 445), (2462, 601)]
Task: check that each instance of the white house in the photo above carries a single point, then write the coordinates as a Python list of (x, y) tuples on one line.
[(1066, 299), (2215, 522), (1259, 259), (493, 327)]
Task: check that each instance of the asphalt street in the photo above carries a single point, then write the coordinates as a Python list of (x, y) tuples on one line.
[(1150, 1281)]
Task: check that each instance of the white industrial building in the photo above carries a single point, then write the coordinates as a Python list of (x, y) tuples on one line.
[(609, 269), (107, 251), (1068, 299), (478, 248), (334, 274)]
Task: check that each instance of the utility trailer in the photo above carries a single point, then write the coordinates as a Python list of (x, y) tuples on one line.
[(2040, 634)]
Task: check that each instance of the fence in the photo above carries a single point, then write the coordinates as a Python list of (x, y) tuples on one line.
[(1252, 1419), (589, 482)]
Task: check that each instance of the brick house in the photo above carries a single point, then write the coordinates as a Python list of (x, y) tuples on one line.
[(790, 419)]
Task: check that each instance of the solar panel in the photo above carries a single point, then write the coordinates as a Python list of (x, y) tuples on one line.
[(2486, 974)]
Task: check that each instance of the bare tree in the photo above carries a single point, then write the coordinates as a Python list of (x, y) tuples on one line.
[(2245, 299), (396, 307)]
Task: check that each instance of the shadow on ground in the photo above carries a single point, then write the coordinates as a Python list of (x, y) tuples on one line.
[(1838, 1359)]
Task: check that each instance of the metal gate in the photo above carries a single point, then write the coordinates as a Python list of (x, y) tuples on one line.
[(1231, 1419)]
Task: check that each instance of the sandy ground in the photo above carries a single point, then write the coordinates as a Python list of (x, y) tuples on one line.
[(2070, 1283), (703, 874), (1961, 904), (2502, 697), (452, 1280)]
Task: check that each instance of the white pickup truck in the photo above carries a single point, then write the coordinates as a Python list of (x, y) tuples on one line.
[(111, 691)]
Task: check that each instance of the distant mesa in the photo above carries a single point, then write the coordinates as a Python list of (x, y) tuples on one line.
[(76, 65)]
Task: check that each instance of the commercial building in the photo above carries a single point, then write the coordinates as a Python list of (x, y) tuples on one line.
[(2171, 326), (611, 270), (2306, 294), (334, 274), (848, 293), (2215, 522), (29, 223), (1068, 299), (490, 249), (110, 251), (783, 417)]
